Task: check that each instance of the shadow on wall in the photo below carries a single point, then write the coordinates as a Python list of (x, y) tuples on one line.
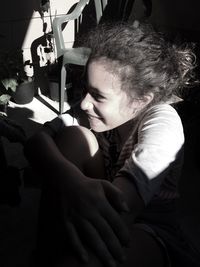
[(16, 17), (12, 12), (14, 23)]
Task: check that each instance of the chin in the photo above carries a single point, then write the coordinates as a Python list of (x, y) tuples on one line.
[(97, 129), (100, 129), (99, 126)]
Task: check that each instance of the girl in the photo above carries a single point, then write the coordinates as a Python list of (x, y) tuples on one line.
[(133, 149)]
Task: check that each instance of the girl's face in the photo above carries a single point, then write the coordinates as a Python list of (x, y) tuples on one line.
[(105, 104)]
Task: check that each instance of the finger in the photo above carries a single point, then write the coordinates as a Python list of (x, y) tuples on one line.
[(109, 237), (116, 223), (115, 196), (95, 242), (76, 242)]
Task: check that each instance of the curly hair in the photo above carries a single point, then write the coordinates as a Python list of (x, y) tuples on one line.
[(143, 59)]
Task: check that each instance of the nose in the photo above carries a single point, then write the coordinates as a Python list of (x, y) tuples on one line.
[(86, 103)]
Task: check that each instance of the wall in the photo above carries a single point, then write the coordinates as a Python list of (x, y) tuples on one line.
[(22, 26), (21, 23)]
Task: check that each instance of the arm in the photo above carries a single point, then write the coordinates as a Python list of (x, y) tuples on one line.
[(134, 201), (89, 201), (160, 141)]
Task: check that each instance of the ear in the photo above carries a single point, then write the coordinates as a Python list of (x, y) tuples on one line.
[(147, 99), (142, 102)]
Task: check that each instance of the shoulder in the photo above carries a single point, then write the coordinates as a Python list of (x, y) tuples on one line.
[(161, 112), (160, 139), (161, 121)]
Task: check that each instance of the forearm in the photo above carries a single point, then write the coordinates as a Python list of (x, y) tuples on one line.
[(130, 194)]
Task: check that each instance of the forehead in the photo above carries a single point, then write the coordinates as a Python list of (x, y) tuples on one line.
[(109, 65), (101, 72), (101, 64)]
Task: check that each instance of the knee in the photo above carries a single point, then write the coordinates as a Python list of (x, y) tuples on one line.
[(78, 139)]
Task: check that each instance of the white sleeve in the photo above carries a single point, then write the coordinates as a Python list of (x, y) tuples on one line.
[(160, 139)]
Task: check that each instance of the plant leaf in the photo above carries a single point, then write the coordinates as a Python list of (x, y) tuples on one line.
[(4, 99), (10, 83)]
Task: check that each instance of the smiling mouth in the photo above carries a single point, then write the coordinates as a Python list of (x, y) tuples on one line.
[(93, 117)]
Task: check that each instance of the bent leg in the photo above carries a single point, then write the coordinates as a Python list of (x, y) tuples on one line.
[(80, 146)]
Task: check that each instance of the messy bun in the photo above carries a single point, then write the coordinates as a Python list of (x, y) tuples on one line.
[(187, 62)]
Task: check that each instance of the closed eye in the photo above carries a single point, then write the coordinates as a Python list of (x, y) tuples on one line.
[(93, 92), (97, 96)]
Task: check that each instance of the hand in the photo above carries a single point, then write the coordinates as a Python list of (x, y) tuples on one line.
[(92, 217)]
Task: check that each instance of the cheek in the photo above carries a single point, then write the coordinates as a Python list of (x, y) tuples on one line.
[(114, 113), (101, 108), (105, 113), (125, 107)]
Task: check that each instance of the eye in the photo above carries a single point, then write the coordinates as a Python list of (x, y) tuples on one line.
[(96, 96), (93, 92)]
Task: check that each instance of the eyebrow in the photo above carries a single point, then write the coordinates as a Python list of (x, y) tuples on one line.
[(96, 90)]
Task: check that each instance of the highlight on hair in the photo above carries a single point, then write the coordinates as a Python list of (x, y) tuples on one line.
[(143, 59)]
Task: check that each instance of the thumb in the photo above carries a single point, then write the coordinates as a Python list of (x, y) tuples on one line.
[(115, 196)]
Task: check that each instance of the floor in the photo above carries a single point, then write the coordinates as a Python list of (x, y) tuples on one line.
[(18, 223)]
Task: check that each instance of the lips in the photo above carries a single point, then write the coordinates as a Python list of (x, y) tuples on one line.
[(93, 117)]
